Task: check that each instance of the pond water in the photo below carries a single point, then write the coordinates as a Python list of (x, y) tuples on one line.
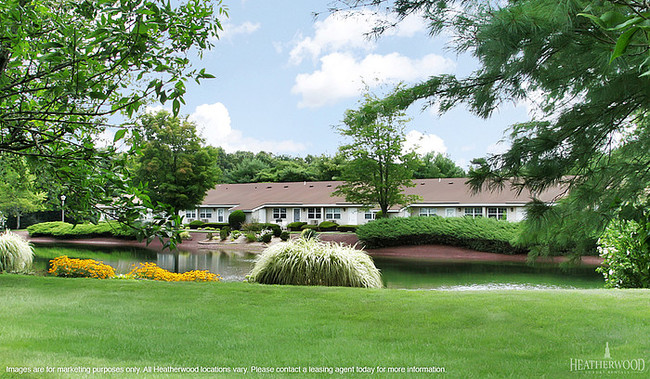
[(396, 273)]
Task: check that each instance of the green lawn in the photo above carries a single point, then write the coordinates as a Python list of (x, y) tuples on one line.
[(89, 323)]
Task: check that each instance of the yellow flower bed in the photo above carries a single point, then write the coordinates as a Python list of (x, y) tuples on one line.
[(80, 268), (152, 271)]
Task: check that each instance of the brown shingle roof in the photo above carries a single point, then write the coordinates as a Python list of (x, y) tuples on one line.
[(249, 196)]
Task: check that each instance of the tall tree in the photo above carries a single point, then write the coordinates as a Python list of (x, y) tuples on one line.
[(18, 193), (177, 169), (593, 128), (378, 169), (67, 65), (432, 165)]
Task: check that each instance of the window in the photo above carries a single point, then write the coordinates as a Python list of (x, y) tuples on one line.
[(450, 212), (427, 211), (333, 213), (313, 213), (190, 214), (474, 212), (205, 213), (498, 213), (279, 213), (220, 214), (370, 215)]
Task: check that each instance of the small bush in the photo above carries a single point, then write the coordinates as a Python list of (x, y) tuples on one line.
[(224, 232), (296, 226), (235, 234), (309, 262), (482, 234), (208, 236), (185, 235), (284, 236), (312, 227), (60, 229), (625, 247), (236, 218), (153, 272), (80, 268), (196, 224), (347, 228), (215, 225), (265, 236), (259, 226), (327, 226), (250, 237), (16, 254), (308, 233)]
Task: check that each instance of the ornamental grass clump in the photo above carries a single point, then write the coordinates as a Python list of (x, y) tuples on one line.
[(310, 262), (153, 272), (16, 254), (80, 268)]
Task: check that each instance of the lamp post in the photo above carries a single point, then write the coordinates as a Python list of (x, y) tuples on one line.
[(62, 208)]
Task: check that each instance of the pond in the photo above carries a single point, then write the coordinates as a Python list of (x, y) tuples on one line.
[(397, 273)]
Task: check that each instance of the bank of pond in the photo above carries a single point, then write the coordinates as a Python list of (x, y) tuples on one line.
[(399, 273)]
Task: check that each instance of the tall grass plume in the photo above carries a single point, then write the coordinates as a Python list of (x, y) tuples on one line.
[(310, 262), (16, 254)]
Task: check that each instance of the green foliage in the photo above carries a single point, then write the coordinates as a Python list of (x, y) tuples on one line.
[(177, 169), (18, 193), (310, 262), (250, 236), (60, 229), (215, 225), (185, 235), (196, 224), (265, 236), (295, 226), (585, 63), (309, 227), (433, 165), (327, 226), (284, 236), (224, 232), (347, 228), (260, 226), (482, 234), (68, 66), (236, 219), (625, 247), (16, 254), (377, 170), (308, 233)]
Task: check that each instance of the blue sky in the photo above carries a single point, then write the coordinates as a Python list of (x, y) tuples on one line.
[(284, 80)]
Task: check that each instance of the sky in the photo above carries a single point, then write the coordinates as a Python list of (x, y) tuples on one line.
[(284, 80)]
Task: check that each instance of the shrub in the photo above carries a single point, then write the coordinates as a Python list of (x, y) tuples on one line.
[(196, 224), (215, 225), (251, 237), (347, 228), (60, 229), (284, 236), (265, 236), (224, 232), (185, 235), (259, 226), (312, 227), (235, 234), (482, 234), (310, 262), (308, 233), (625, 247), (236, 218), (296, 226), (153, 272), (16, 254), (327, 226), (208, 236), (80, 268)]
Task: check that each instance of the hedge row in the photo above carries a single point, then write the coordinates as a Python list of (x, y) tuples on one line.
[(325, 226), (60, 229), (481, 234)]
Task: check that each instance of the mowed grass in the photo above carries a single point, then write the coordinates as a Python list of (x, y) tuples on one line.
[(46, 321)]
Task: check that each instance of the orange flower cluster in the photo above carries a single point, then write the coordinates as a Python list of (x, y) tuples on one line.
[(152, 271), (80, 268)]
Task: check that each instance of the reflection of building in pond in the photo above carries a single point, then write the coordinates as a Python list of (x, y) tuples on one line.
[(227, 264), (312, 202)]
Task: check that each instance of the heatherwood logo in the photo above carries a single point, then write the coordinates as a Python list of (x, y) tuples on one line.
[(607, 364)]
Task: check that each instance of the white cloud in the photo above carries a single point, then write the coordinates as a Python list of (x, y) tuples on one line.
[(342, 76), (214, 123), (245, 28), (424, 143), (498, 148), (348, 30)]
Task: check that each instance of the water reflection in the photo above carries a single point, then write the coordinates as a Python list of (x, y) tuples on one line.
[(231, 265)]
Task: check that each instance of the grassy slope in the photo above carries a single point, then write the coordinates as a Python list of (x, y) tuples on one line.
[(65, 322)]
